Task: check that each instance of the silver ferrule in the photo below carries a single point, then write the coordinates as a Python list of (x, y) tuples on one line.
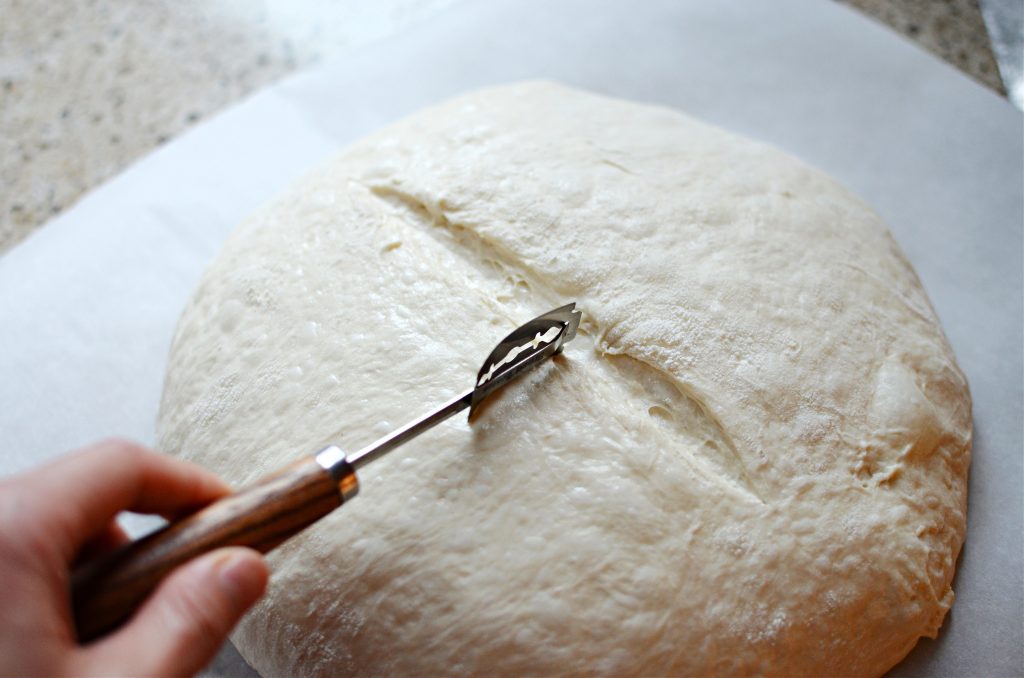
[(333, 460)]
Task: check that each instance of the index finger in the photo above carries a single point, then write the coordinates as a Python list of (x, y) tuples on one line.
[(77, 496)]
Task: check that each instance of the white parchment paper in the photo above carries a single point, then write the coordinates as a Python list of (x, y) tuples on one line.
[(88, 304)]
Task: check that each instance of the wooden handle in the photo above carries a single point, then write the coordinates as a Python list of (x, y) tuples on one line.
[(107, 591)]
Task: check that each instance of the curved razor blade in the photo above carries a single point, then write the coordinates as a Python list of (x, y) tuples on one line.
[(524, 348)]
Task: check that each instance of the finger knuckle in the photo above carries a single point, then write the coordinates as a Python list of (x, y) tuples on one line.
[(120, 454), (121, 448)]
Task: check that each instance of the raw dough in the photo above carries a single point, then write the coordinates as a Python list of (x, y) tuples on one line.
[(752, 460)]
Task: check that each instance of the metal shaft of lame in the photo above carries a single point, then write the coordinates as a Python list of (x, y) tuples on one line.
[(339, 464), (409, 431)]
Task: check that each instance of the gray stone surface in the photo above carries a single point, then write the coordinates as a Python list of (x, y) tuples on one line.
[(87, 87)]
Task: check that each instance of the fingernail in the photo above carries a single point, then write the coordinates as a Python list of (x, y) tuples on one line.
[(241, 576)]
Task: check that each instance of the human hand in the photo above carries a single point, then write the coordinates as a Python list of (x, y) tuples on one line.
[(64, 513)]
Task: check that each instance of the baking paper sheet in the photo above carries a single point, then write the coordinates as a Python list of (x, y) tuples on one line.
[(88, 304)]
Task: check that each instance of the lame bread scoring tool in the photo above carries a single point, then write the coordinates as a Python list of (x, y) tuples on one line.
[(261, 516)]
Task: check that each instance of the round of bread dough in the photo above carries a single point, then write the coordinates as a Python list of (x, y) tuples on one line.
[(752, 459)]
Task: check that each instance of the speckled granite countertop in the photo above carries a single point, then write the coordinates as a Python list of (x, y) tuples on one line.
[(88, 87)]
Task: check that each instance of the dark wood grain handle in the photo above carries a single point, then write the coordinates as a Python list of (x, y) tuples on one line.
[(105, 592)]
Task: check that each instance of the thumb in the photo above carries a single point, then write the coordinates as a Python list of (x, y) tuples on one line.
[(183, 624)]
